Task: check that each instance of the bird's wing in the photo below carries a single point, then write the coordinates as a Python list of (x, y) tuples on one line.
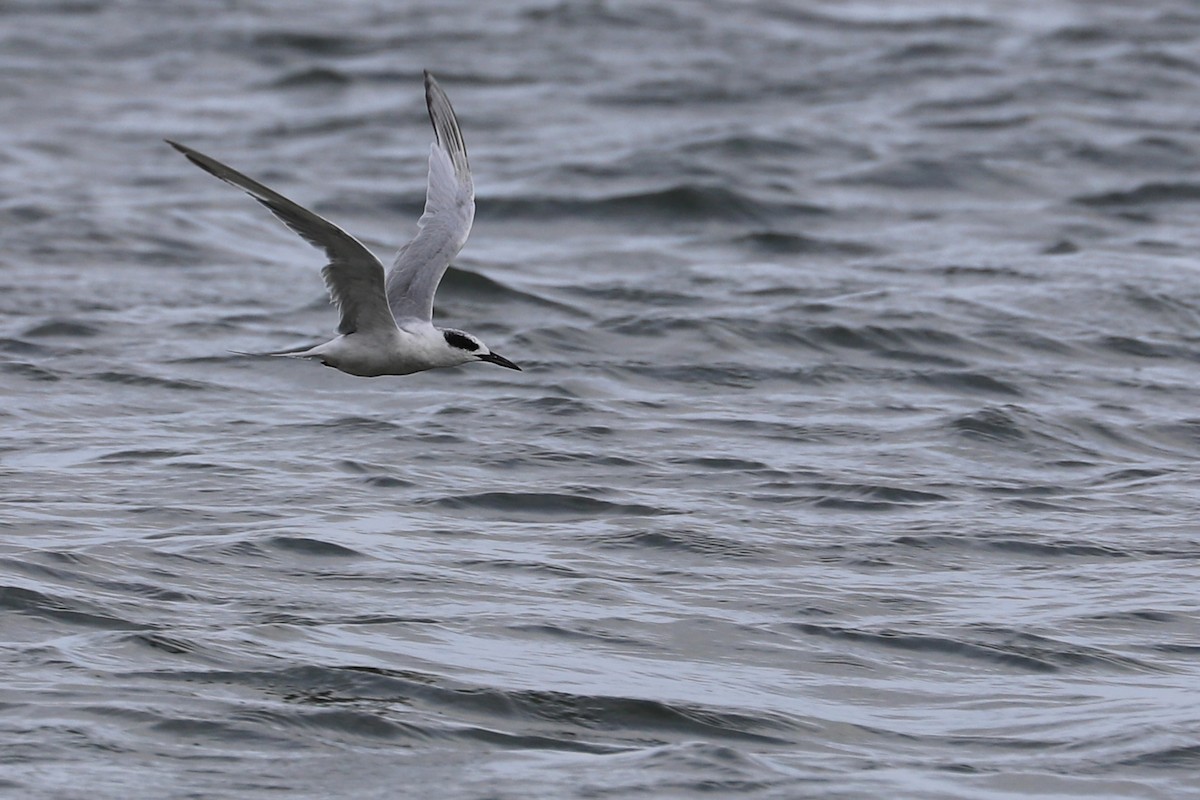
[(443, 228), (353, 276)]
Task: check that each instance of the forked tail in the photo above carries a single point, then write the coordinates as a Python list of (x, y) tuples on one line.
[(304, 351)]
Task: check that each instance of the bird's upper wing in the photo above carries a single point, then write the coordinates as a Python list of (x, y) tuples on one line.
[(353, 276), (443, 228)]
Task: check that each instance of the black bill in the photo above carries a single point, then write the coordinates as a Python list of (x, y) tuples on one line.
[(500, 360)]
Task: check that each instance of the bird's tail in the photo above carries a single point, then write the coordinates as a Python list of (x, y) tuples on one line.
[(304, 351)]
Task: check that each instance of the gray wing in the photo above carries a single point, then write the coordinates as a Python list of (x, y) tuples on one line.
[(443, 228), (353, 276)]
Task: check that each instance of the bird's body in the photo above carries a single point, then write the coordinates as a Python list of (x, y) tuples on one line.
[(386, 325), (402, 351)]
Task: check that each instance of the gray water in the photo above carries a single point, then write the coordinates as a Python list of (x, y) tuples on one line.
[(855, 453)]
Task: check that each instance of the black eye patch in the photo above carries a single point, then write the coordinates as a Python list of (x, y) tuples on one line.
[(456, 339)]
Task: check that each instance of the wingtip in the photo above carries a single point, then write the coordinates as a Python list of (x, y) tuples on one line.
[(431, 87), (445, 124), (190, 154)]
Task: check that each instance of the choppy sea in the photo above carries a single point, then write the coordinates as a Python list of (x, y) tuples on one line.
[(855, 454)]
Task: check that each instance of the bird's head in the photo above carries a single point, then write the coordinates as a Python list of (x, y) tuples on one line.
[(470, 348)]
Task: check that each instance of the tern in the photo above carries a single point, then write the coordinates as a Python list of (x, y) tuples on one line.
[(386, 325)]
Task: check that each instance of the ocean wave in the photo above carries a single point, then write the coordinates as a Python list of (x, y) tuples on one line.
[(679, 203), (546, 504)]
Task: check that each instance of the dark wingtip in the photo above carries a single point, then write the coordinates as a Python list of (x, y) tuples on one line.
[(190, 154), (187, 152), (429, 84), (445, 126)]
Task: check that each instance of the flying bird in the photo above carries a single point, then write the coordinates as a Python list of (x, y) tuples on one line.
[(386, 325)]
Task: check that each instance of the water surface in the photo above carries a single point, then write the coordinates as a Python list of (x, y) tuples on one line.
[(854, 455)]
